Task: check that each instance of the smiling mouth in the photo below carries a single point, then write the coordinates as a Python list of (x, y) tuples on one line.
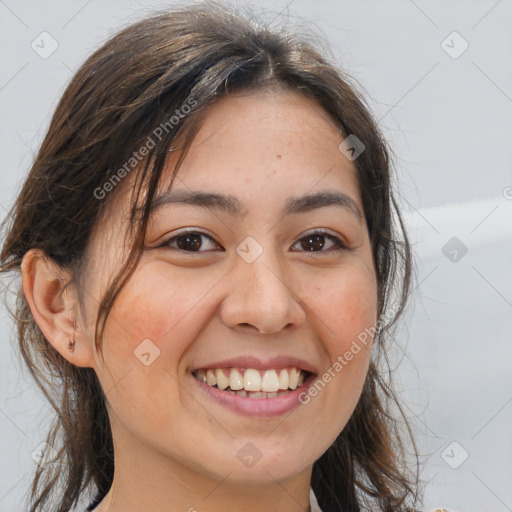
[(252, 383)]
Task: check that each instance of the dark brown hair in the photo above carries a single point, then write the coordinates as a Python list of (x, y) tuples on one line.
[(124, 94)]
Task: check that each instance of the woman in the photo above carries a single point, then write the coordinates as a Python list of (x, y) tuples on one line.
[(208, 258)]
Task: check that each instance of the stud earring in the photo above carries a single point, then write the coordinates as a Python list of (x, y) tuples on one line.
[(72, 343)]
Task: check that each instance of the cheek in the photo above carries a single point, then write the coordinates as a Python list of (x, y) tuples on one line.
[(158, 307), (154, 321), (344, 309), (345, 303), (342, 305)]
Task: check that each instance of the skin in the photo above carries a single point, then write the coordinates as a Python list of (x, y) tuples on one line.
[(175, 448)]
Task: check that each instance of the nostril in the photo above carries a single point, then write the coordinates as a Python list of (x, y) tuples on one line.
[(245, 325)]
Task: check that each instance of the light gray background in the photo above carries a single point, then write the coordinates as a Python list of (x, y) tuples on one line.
[(449, 122)]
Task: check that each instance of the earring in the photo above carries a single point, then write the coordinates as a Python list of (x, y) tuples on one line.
[(72, 343)]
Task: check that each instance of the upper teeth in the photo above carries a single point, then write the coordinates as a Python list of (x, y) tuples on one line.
[(252, 380)]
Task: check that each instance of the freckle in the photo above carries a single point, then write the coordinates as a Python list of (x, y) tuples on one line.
[(278, 156)]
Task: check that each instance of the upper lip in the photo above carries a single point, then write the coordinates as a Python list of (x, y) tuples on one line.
[(257, 363)]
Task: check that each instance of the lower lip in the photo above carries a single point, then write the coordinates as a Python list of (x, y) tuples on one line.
[(257, 406)]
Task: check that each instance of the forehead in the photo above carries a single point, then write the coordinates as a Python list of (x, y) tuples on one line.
[(270, 144), (264, 150)]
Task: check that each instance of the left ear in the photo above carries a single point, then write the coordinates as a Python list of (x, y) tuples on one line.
[(55, 307)]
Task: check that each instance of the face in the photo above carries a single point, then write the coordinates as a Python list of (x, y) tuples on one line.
[(257, 267)]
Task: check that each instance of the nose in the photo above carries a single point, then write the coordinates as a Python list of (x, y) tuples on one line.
[(260, 299)]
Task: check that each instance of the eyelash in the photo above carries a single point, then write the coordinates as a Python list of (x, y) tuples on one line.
[(338, 246)]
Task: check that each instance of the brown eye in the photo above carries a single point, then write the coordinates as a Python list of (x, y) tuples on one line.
[(313, 243), (319, 242), (192, 242), (189, 242)]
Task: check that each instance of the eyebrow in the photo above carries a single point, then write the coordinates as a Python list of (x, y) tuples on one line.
[(311, 202), (233, 206)]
